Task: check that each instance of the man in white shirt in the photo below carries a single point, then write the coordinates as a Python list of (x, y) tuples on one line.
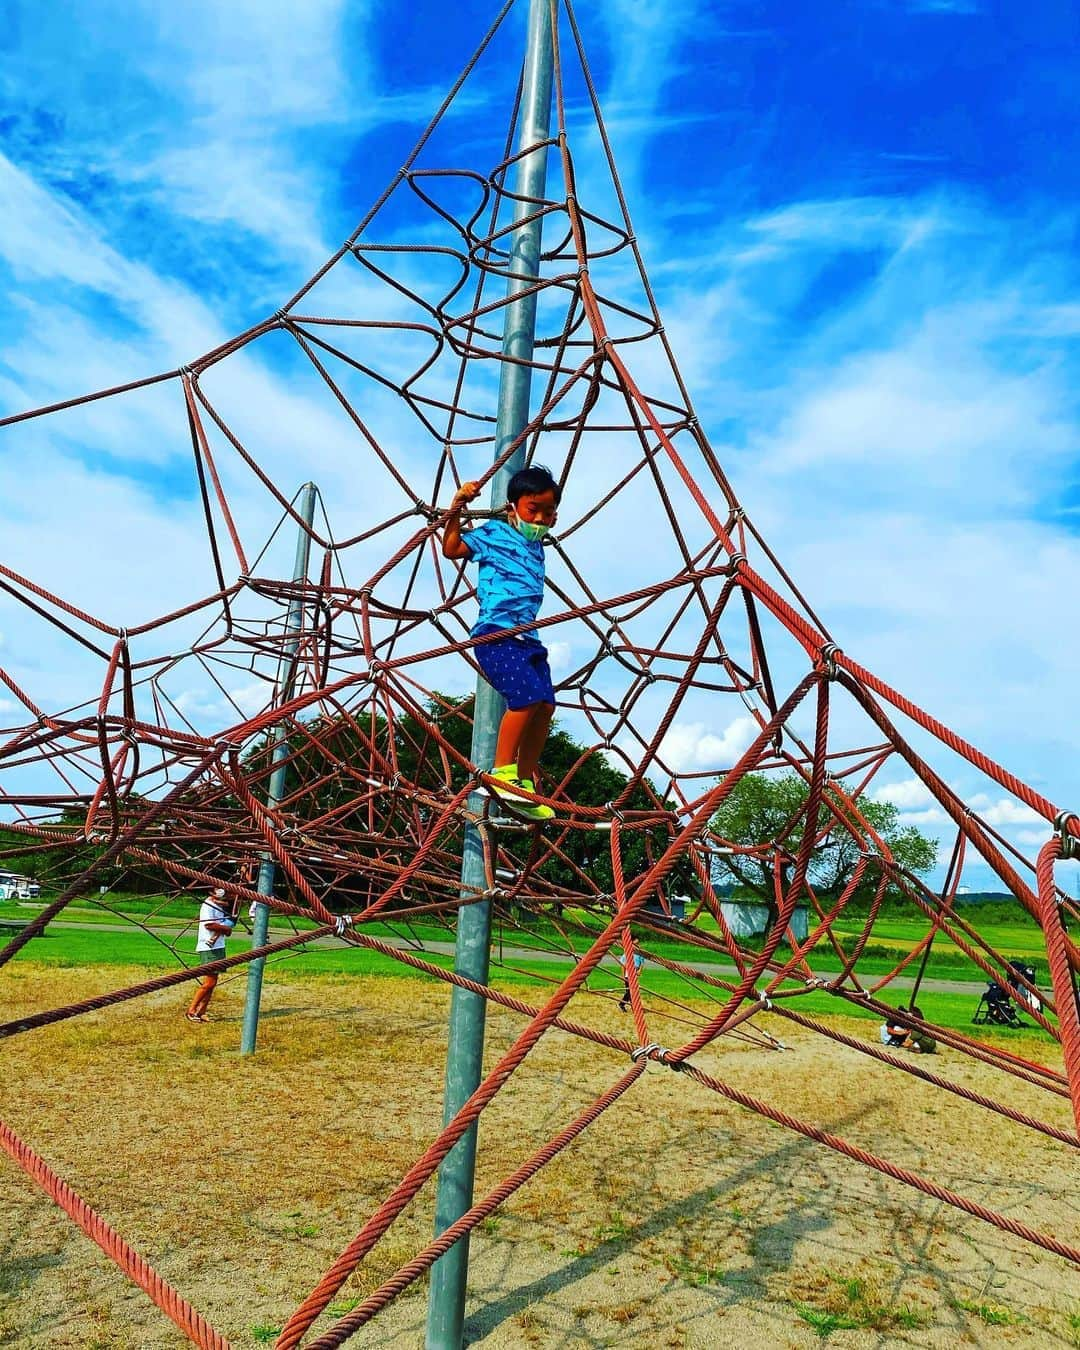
[(216, 922)]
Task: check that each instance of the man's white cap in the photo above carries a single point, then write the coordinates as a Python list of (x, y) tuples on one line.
[(219, 892)]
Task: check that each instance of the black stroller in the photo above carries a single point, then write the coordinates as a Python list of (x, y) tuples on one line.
[(996, 1008)]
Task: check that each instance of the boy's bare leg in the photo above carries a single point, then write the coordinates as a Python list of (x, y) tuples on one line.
[(532, 739), (511, 730), (203, 995)]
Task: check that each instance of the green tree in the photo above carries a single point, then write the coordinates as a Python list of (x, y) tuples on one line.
[(764, 808), (365, 744)]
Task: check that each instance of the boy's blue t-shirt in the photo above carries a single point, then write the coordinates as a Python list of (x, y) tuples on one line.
[(510, 586)]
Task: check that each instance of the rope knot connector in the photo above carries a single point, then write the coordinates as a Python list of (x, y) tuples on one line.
[(1070, 845), (829, 652), (645, 1051)]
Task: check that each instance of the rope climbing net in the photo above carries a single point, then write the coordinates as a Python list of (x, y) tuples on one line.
[(360, 693)]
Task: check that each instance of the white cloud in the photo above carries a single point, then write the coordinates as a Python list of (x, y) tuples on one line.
[(933, 815), (1004, 811), (927, 416), (844, 223), (559, 654), (909, 794), (1031, 838), (691, 747)]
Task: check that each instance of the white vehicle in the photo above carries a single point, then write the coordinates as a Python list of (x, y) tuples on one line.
[(16, 887)]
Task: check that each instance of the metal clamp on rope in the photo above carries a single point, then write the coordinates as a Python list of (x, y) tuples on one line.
[(1070, 845), (829, 652), (675, 1065), (734, 561), (644, 1051), (282, 316), (616, 813), (342, 924)]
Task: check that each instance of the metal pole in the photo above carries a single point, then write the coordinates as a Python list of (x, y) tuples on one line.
[(465, 1050), (286, 679)]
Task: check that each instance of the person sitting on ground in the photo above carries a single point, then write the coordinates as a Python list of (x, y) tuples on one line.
[(510, 588), (921, 1043), (216, 922), (893, 1034)]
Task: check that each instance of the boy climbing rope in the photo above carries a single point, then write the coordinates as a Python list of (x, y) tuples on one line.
[(510, 588)]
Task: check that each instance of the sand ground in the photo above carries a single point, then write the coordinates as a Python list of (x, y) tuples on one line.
[(677, 1220)]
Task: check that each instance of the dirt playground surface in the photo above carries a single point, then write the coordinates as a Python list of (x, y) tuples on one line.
[(676, 1220)]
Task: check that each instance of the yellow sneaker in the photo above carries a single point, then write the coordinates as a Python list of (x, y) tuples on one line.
[(505, 788), (534, 810), (506, 781), (505, 773)]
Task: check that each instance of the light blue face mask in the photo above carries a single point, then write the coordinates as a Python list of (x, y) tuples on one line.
[(532, 532)]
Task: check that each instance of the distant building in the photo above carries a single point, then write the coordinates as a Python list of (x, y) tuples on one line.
[(676, 903)]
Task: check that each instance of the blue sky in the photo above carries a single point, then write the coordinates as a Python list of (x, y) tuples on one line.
[(860, 220)]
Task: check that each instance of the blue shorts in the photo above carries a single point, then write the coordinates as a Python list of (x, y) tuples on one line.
[(517, 668)]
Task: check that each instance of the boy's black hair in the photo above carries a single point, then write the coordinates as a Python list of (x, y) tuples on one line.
[(535, 479)]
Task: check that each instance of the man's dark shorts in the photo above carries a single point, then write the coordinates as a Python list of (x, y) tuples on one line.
[(206, 958), (518, 669)]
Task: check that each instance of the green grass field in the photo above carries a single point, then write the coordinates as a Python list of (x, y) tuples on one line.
[(144, 955), (892, 939)]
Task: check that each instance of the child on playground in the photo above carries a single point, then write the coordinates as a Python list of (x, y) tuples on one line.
[(216, 922), (510, 588)]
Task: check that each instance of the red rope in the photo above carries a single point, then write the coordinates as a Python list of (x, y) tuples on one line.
[(150, 791), (194, 1326)]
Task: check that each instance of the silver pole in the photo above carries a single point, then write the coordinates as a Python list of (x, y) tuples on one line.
[(286, 679), (465, 1051)]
